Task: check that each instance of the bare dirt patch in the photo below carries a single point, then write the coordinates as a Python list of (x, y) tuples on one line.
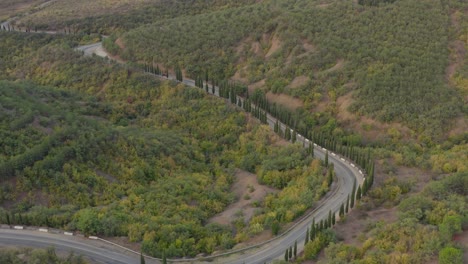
[(339, 65), (460, 126), (309, 47), (256, 48), (247, 190), (298, 82), (419, 177), (357, 221), (284, 100), (239, 75), (275, 46), (254, 86), (462, 239), (323, 5), (457, 55)]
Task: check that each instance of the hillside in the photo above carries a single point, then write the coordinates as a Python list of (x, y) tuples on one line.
[(388, 78)]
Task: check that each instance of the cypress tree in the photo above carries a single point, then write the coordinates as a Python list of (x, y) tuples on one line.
[(330, 176), (347, 205), (294, 136), (329, 218), (313, 231), (364, 187), (307, 237), (326, 158), (321, 225), (290, 252), (286, 255), (358, 193), (295, 249), (287, 133), (341, 210), (333, 218), (142, 259), (164, 259), (276, 126), (352, 194)]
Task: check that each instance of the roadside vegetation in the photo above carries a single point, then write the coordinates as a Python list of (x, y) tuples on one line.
[(388, 78), (24, 256), (116, 152)]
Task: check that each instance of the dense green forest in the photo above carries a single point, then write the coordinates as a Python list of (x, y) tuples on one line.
[(392, 55), (107, 150), (158, 159)]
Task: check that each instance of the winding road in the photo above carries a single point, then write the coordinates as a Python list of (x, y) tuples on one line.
[(265, 252)]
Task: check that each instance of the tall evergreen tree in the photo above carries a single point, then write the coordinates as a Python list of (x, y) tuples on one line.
[(347, 205), (329, 218), (142, 259), (353, 193), (341, 210), (326, 158), (286, 255), (333, 218), (358, 193), (307, 236), (290, 252), (295, 249)]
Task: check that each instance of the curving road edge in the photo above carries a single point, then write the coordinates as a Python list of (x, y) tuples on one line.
[(102, 251)]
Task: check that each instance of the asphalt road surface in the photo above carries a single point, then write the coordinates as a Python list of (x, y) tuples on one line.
[(268, 251)]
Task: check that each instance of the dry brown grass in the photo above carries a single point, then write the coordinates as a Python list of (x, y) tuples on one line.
[(298, 82), (284, 100), (274, 47), (246, 185)]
